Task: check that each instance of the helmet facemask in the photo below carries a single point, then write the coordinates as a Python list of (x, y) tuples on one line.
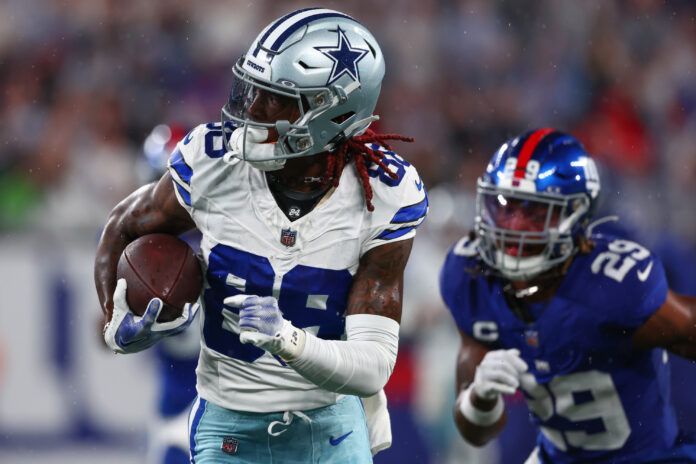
[(294, 138), (523, 234)]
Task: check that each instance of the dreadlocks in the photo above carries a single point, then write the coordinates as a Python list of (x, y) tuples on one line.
[(356, 149)]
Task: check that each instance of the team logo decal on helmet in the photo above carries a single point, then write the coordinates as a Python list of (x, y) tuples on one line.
[(345, 58)]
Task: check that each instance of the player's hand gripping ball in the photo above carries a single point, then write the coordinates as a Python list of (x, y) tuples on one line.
[(156, 272), (160, 266)]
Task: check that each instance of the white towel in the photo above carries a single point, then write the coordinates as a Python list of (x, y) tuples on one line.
[(378, 423)]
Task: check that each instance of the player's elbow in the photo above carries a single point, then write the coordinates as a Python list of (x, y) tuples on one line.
[(371, 386), (376, 376), (361, 391), (117, 222), (135, 209)]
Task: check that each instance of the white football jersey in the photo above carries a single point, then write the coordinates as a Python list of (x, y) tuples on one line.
[(250, 247)]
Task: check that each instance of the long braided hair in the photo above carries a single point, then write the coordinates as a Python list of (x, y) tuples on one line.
[(357, 150)]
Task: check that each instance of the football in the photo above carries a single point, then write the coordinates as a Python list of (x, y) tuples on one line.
[(160, 266)]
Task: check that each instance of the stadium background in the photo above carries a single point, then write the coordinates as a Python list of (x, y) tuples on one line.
[(83, 82)]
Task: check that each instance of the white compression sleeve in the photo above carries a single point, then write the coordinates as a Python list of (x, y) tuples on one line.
[(360, 365)]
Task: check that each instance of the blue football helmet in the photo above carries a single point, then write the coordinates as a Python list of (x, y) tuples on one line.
[(535, 198)]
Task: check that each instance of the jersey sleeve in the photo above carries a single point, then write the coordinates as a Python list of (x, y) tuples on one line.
[(191, 163), (645, 290), (628, 283), (455, 283), (400, 204)]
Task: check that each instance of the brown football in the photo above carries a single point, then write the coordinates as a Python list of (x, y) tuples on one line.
[(160, 266)]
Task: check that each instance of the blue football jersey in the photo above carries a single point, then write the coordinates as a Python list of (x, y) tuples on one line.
[(593, 397)]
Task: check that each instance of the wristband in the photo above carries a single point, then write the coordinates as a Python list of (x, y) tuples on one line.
[(292, 341), (475, 415)]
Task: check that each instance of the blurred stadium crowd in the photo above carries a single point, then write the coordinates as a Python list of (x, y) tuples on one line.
[(85, 81)]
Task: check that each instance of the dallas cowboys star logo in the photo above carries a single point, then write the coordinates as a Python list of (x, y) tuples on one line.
[(345, 58)]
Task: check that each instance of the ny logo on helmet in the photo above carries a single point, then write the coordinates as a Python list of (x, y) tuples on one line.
[(345, 58)]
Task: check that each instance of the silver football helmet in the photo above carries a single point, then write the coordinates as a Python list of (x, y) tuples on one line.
[(321, 60)]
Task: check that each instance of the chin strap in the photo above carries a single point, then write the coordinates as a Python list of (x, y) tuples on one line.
[(540, 282), (284, 182)]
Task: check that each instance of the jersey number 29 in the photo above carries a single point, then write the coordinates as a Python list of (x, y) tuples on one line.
[(619, 260), (583, 398)]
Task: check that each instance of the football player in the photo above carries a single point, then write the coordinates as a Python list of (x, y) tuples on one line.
[(581, 322), (307, 220)]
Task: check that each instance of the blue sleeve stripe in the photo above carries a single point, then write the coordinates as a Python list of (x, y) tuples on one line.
[(392, 234), (175, 177), (185, 195), (176, 161), (411, 213), (275, 25)]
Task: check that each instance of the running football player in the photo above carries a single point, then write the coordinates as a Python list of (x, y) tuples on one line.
[(581, 322), (307, 220)]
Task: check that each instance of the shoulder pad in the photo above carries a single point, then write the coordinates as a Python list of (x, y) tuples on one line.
[(198, 153), (626, 280), (400, 202), (458, 278)]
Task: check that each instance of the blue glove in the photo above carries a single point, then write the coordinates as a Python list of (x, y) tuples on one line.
[(128, 333), (262, 324)]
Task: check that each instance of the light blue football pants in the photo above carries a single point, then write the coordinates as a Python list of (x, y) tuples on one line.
[(332, 434)]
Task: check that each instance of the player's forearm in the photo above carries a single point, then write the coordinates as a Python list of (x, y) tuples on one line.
[(150, 209), (681, 327), (485, 418), (360, 365), (686, 349), (113, 241), (133, 217)]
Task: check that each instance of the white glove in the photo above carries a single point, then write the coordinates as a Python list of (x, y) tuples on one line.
[(262, 324), (499, 372), (128, 333)]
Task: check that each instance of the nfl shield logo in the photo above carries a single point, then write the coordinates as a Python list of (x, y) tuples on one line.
[(288, 237), (229, 445)]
